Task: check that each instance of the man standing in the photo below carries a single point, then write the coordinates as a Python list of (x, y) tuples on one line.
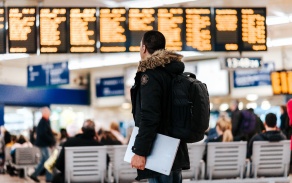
[(150, 101), (44, 140)]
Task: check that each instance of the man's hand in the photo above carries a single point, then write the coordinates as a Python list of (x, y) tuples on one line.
[(138, 162)]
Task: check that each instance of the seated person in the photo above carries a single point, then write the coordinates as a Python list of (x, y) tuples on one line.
[(271, 134), (107, 138), (223, 129), (86, 138), (21, 142)]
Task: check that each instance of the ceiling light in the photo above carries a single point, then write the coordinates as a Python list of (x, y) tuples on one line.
[(275, 20), (252, 97), (223, 107), (126, 106), (279, 42), (176, 1), (190, 53), (240, 106), (13, 56), (142, 4), (211, 106), (252, 105), (266, 105)]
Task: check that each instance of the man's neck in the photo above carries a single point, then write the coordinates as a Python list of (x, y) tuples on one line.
[(271, 129)]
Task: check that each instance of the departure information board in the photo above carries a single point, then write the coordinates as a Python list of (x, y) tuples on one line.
[(83, 30), (140, 21), (22, 30), (226, 29), (281, 82), (112, 29), (170, 23), (254, 33), (2, 31), (53, 30), (198, 29)]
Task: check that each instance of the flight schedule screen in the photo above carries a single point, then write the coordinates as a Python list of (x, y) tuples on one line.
[(140, 21), (22, 30), (112, 29), (2, 31), (198, 29), (53, 30), (170, 23), (254, 33), (83, 30), (226, 29)]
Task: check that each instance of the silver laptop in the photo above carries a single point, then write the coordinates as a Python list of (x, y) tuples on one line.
[(162, 154)]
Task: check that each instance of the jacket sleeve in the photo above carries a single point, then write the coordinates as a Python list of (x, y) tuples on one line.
[(151, 95), (61, 160)]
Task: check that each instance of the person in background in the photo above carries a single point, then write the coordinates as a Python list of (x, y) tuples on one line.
[(64, 135), (12, 141), (2, 152), (7, 136), (107, 138), (289, 112), (21, 142), (45, 141), (32, 135), (115, 130), (212, 133), (235, 119), (271, 134), (223, 129), (284, 125), (260, 127), (86, 138)]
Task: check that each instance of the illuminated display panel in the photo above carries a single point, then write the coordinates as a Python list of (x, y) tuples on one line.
[(140, 21), (53, 30), (2, 31), (281, 82), (198, 29), (170, 23), (22, 29), (254, 34), (83, 30), (112, 29), (226, 29)]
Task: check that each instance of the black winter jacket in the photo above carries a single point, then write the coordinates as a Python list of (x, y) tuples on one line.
[(272, 136), (45, 137), (79, 140), (150, 101)]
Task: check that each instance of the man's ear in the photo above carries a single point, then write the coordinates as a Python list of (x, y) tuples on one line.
[(144, 50)]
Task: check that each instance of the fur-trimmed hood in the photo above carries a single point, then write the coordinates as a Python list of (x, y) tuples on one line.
[(159, 58)]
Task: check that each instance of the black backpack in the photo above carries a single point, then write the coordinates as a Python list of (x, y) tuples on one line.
[(189, 108)]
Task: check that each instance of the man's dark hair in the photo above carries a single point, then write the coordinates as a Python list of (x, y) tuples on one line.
[(153, 40), (271, 120)]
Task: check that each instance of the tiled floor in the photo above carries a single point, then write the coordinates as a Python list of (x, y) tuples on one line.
[(6, 178)]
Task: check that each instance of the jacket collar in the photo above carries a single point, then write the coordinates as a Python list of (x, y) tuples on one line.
[(158, 58)]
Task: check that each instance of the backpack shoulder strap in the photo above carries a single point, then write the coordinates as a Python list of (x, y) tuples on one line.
[(190, 75)]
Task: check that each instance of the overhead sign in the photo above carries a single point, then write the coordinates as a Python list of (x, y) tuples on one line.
[(281, 82), (253, 77), (47, 74), (108, 87), (243, 63)]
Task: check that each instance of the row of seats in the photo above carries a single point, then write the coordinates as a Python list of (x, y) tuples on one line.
[(224, 160)]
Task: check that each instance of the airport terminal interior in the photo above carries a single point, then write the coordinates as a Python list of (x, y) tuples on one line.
[(79, 59)]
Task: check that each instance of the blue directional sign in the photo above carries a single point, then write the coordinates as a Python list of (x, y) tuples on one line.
[(47, 74), (108, 87), (253, 77)]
